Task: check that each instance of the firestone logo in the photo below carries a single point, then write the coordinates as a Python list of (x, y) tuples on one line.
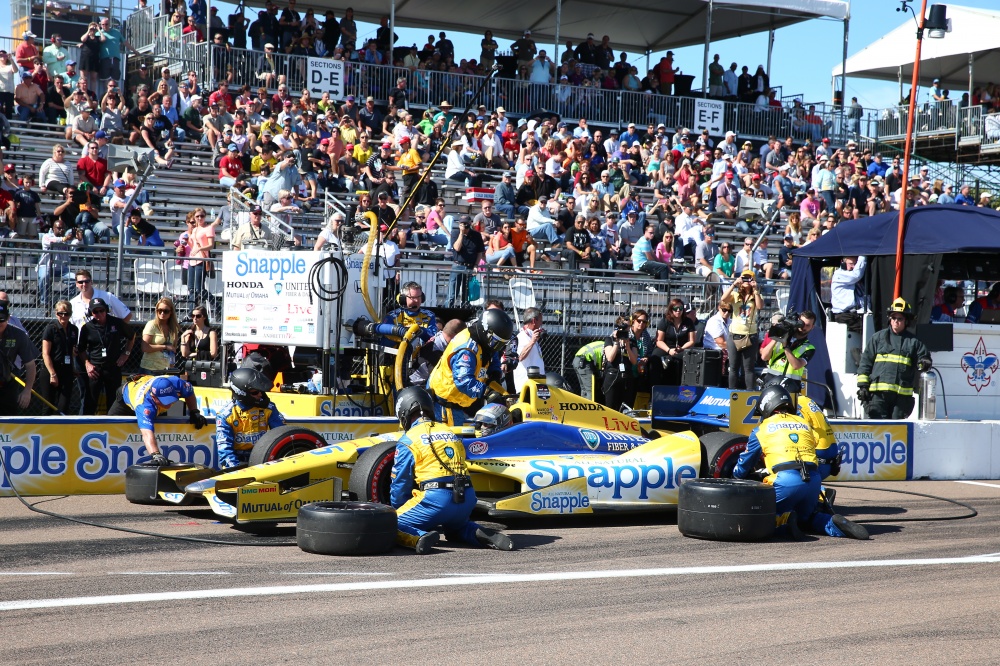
[(979, 366)]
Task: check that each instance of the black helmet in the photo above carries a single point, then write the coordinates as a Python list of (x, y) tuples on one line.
[(244, 380), (772, 399), (556, 380), (412, 403), (492, 419), (790, 384), (900, 306), (493, 330)]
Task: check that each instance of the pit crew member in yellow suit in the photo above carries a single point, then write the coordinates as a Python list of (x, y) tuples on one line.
[(460, 382), (246, 418), (788, 447), (147, 397), (430, 489), (409, 312)]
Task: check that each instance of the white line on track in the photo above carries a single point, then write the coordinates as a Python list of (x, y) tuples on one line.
[(980, 483), (333, 573), (168, 573), (501, 579), (37, 573)]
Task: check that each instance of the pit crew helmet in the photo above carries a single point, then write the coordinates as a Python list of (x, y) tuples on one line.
[(493, 330), (790, 384), (244, 380), (774, 398), (412, 403), (491, 419), (900, 306)]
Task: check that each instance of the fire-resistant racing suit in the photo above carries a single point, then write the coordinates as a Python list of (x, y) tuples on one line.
[(238, 428), (461, 379)]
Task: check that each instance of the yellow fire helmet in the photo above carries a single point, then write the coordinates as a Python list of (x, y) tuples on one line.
[(901, 306)]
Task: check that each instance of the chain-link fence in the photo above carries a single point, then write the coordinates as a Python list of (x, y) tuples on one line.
[(278, 233)]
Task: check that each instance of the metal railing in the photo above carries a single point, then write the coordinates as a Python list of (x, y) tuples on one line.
[(239, 214), (141, 28)]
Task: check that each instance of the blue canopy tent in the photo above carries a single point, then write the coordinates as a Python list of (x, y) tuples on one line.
[(941, 243)]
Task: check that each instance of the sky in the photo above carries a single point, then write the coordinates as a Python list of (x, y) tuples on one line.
[(803, 56)]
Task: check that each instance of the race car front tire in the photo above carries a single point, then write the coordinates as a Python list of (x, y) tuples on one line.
[(283, 442), (726, 510), (346, 528), (720, 451), (142, 485), (372, 473)]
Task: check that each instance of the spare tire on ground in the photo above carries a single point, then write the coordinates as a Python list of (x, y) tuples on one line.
[(283, 442), (346, 528), (726, 510), (142, 484)]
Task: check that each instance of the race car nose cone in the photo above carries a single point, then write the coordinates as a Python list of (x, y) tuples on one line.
[(199, 487)]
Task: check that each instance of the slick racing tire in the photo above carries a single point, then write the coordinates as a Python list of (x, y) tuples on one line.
[(721, 450), (283, 442), (346, 528), (726, 510), (372, 473), (142, 483)]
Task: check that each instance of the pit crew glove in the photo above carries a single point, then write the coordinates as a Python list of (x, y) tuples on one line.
[(924, 364), (864, 395), (196, 419)]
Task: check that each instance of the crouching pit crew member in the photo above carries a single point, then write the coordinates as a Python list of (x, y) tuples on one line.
[(430, 487), (246, 418), (889, 366), (788, 446), (461, 381), (147, 397)]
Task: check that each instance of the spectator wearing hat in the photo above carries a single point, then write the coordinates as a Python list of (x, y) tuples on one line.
[(29, 100), (468, 251), (252, 230), (505, 197), (524, 49), (105, 345), (370, 118), (231, 166), (26, 51), (284, 176), (785, 258), (16, 350)]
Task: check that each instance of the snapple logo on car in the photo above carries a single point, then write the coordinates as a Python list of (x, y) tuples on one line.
[(563, 502), (621, 476)]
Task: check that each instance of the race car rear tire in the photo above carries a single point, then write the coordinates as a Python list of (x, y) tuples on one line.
[(142, 484), (720, 451), (372, 473), (283, 442), (346, 528), (726, 510)]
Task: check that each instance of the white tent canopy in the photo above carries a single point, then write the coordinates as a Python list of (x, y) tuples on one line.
[(635, 27), (975, 34)]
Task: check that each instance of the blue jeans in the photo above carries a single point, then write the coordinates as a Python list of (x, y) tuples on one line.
[(508, 210), (26, 113), (546, 231), (506, 253), (47, 274), (94, 230), (196, 285), (458, 285)]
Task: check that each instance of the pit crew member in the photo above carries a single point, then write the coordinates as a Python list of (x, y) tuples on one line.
[(147, 397), (246, 418), (889, 366), (788, 447), (409, 312), (469, 370), (430, 489), (827, 449)]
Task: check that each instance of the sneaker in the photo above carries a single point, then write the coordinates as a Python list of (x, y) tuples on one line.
[(159, 460), (850, 530), (495, 540), (790, 521), (427, 542)]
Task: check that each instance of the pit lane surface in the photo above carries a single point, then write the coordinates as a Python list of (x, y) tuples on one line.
[(605, 590)]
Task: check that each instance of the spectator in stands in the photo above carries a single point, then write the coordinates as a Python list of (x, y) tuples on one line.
[(468, 250), (58, 353), (947, 196), (29, 100), (251, 231), (456, 170), (501, 249), (200, 342), (329, 237), (505, 197), (147, 234), (705, 253), (577, 244), (16, 349), (524, 50), (717, 330), (284, 208), (93, 169), (55, 95), (285, 176), (9, 78), (964, 197), (644, 259), (231, 167), (540, 222), (163, 147)]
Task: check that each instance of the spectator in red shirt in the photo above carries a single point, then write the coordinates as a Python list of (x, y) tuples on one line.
[(26, 51), (93, 169), (223, 98), (231, 166)]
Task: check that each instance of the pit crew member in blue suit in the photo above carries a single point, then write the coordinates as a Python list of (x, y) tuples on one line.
[(430, 489), (788, 447), (827, 449), (460, 382), (246, 418), (409, 312), (147, 397)]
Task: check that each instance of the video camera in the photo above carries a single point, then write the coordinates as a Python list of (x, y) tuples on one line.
[(622, 332), (789, 327)]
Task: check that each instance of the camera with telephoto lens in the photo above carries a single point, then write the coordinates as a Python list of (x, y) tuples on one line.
[(789, 327), (622, 332)]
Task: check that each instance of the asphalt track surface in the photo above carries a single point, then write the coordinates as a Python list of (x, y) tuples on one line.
[(606, 590)]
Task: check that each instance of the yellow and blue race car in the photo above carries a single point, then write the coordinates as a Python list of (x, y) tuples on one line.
[(564, 455)]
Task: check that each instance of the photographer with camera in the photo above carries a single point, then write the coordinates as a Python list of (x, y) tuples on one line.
[(746, 302), (529, 347), (625, 352), (786, 348)]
